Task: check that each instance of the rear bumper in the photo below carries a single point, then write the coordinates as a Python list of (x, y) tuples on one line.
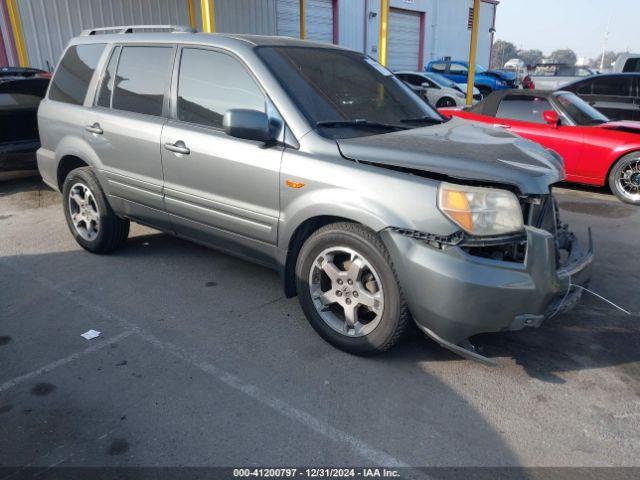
[(453, 295), (47, 166)]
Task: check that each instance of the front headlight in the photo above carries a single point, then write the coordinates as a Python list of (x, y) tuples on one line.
[(461, 95), (481, 211)]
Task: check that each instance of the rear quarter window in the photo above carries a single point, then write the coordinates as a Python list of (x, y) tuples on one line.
[(71, 80)]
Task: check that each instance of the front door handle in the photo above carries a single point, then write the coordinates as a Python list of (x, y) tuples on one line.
[(501, 125), (95, 128), (178, 147)]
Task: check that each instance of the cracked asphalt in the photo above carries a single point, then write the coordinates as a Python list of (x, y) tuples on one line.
[(203, 362)]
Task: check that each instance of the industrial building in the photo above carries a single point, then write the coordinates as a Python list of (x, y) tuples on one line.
[(35, 32)]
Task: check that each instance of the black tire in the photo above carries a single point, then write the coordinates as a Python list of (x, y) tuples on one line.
[(485, 91), (616, 171), (112, 232), (395, 318), (446, 102)]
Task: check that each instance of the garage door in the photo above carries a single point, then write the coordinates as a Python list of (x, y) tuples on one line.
[(404, 40), (319, 19)]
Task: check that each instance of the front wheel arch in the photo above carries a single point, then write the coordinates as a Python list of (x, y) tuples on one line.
[(300, 235)]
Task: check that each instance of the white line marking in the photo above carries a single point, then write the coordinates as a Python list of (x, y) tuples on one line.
[(372, 454), (63, 361)]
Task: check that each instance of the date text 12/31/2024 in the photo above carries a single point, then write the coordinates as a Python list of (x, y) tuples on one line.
[(316, 473)]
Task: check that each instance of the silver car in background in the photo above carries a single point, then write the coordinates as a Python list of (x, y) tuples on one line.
[(318, 162)]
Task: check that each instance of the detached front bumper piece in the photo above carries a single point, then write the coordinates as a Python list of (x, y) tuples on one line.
[(454, 295)]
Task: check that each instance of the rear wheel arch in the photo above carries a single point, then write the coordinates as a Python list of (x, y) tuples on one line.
[(66, 165)]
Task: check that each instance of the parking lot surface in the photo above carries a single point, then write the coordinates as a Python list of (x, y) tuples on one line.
[(201, 361)]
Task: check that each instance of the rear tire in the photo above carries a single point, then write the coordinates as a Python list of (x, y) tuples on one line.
[(624, 178), (363, 283), (89, 216)]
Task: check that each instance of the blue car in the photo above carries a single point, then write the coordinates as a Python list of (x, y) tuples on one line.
[(485, 80)]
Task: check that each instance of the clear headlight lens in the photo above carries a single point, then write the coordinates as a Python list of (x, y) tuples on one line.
[(481, 211), (461, 95)]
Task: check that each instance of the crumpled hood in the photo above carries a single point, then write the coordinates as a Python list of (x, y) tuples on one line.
[(504, 74), (463, 150), (622, 125)]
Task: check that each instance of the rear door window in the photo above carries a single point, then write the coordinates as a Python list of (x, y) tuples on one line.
[(523, 108), (142, 78), (457, 69), (210, 83), (632, 65), (71, 80)]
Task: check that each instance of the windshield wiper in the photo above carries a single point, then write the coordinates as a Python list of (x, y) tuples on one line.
[(359, 122), (430, 120)]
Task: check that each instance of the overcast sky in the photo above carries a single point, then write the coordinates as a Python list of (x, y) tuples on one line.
[(577, 24)]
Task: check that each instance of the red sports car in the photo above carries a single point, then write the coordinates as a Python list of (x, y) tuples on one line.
[(595, 150)]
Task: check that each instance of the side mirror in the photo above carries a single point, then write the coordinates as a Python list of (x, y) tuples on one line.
[(425, 85), (551, 117), (247, 124)]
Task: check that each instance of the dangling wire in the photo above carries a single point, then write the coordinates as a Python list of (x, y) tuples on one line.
[(571, 285)]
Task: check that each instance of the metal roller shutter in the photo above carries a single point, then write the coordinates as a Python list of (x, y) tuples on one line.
[(404, 40), (319, 19)]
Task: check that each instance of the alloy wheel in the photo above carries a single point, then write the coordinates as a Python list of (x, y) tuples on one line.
[(84, 212), (346, 291), (628, 179)]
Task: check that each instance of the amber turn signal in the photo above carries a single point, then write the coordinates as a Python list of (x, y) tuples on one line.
[(292, 184)]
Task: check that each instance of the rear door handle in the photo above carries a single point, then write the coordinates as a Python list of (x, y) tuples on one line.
[(501, 125), (95, 128), (178, 147)]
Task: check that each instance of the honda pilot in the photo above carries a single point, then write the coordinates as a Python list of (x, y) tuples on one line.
[(316, 161)]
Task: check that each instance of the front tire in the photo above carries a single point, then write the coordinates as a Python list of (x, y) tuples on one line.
[(89, 216), (348, 289), (485, 91), (624, 178), (446, 102)]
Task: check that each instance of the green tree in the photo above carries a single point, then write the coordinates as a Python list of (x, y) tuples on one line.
[(501, 52), (531, 57), (566, 55)]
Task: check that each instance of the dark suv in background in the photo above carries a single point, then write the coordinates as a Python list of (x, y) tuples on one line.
[(615, 95)]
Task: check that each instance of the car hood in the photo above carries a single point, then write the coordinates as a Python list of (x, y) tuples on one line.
[(462, 150), (622, 126)]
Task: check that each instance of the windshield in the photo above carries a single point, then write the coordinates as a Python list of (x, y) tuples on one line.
[(441, 80), (580, 111), (346, 92)]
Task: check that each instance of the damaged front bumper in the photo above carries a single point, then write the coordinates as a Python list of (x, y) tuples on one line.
[(454, 295)]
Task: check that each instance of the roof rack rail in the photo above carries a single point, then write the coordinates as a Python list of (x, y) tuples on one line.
[(131, 28)]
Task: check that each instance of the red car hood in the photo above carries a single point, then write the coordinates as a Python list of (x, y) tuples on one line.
[(622, 126)]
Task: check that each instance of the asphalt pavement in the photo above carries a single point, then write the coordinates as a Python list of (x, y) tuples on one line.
[(201, 361)]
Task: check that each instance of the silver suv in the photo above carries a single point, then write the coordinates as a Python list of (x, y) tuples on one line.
[(316, 161)]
